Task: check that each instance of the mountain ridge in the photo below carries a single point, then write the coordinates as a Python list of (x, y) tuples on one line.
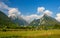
[(45, 22)]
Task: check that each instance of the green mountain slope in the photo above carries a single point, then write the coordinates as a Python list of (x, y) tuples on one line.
[(46, 22), (5, 21)]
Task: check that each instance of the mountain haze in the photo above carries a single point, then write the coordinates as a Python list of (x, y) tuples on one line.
[(20, 21)]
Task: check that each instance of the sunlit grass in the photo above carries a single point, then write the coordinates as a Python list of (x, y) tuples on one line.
[(32, 34)]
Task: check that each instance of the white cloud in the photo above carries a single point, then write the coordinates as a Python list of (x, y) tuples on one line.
[(43, 11), (3, 6), (14, 13), (47, 12), (57, 17), (40, 9), (31, 17)]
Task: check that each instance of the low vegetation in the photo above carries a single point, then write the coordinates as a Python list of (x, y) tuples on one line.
[(31, 34)]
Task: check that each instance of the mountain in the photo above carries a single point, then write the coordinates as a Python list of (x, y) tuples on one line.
[(5, 21), (46, 22), (35, 22), (20, 21)]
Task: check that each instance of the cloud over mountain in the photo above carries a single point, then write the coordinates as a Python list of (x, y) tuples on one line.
[(57, 17), (44, 11), (31, 17), (47, 12), (40, 9), (12, 12)]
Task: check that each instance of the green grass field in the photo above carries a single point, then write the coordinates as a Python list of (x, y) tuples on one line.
[(31, 34)]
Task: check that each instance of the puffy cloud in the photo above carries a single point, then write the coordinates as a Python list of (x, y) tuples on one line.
[(47, 12), (14, 13), (57, 17), (31, 17), (40, 9), (43, 11)]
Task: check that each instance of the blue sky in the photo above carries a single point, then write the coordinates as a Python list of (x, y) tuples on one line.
[(28, 7)]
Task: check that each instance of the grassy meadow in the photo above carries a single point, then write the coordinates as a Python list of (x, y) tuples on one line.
[(31, 34)]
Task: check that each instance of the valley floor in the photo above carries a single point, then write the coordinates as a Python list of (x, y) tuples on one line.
[(31, 34)]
